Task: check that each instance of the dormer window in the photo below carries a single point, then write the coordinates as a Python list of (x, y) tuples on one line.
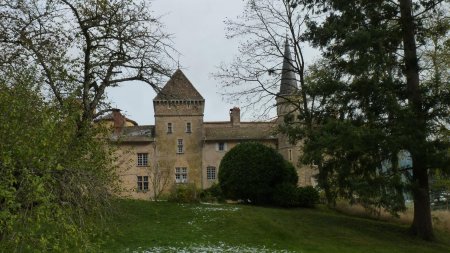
[(169, 128), (188, 127)]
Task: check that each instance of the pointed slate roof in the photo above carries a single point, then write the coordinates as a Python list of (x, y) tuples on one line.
[(288, 82), (179, 88)]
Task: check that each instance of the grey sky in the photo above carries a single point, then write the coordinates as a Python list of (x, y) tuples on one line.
[(199, 35)]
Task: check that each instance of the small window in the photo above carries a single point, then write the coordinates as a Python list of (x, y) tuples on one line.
[(211, 173), (142, 159), (169, 128), (181, 174), (180, 146), (188, 127), (221, 146), (142, 183), (290, 154)]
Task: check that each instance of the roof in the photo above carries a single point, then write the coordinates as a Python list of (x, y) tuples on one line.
[(110, 116), (288, 81), (179, 88), (137, 134), (246, 131)]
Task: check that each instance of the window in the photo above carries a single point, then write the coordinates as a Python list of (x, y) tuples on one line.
[(142, 183), (211, 173), (142, 159), (181, 174), (188, 127), (180, 146), (169, 128), (290, 154), (221, 146)]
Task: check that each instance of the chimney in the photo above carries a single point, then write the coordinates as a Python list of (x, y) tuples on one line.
[(119, 121), (235, 116)]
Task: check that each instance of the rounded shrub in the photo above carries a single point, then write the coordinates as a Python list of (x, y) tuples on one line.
[(252, 171)]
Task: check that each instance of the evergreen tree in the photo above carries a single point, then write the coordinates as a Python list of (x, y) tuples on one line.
[(383, 103)]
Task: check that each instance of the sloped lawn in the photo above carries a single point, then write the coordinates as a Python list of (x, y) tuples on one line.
[(140, 226)]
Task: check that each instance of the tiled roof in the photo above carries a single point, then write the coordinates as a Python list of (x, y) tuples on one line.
[(137, 134), (110, 116), (179, 88), (246, 131)]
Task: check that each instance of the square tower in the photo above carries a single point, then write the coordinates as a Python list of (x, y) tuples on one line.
[(179, 109)]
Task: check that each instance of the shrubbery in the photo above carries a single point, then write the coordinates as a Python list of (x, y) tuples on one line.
[(307, 196), (252, 171), (212, 194), (287, 195), (183, 193)]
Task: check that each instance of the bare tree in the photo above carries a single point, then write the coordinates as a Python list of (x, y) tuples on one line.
[(254, 76), (159, 179), (80, 48)]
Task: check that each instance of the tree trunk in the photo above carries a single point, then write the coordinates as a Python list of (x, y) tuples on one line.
[(422, 225)]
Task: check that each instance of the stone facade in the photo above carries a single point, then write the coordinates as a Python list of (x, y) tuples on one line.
[(182, 148)]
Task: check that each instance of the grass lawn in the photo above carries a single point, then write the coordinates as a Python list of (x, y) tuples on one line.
[(141, 226)]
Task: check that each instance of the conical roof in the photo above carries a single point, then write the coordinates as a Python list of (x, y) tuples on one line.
[(179, 88), (288, 81)]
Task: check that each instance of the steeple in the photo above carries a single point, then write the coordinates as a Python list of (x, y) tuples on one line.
[(288, 84)]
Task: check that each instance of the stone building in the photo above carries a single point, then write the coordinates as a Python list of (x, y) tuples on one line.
[(182, 148)]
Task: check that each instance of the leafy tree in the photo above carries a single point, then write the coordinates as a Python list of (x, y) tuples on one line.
[(54, 188), (80, 48), (252, 171)]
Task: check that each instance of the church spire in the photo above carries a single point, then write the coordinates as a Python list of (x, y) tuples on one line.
[(288, 84)]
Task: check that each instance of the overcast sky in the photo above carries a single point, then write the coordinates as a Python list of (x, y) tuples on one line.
[(198, 33)]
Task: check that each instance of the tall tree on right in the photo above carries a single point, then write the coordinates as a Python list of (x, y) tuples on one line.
[(384, 95)]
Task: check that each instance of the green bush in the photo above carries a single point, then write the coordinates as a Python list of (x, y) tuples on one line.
[(252, 171), (286, 195), (183, 193), (307, 196), (212, 194)]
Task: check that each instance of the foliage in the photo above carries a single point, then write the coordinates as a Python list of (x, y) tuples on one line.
[(251, 171), (184, 193), (212, 194), (54, 186), (173, 226)]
